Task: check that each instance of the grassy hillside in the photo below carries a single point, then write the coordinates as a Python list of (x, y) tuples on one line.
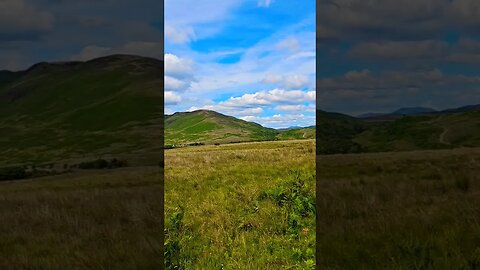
[(297, 133), (339, 133), (59, 111), (211, 127), (241, 206), (406, 210), (101, 219)]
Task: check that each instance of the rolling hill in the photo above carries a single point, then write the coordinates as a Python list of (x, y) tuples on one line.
[(446, 129), (64, 110), (208, 127)]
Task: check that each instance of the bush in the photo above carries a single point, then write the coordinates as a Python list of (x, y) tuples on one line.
[(102, 164), (13, 173)]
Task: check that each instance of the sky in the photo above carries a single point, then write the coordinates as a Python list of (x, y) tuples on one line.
[(252, 59), (33, 31), (381, 55)]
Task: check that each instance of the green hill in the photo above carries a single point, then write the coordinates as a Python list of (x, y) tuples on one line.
[(58, 111), (339, 133), (209, 127), (297, 133)]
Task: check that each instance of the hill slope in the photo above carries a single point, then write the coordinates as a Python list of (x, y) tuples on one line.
[(205, 126), (339, 133), (56, 111)]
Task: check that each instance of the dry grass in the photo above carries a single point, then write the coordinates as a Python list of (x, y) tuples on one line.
[(87, 220), (412, 210)]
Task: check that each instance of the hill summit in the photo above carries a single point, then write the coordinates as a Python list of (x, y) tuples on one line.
[(64, 110)]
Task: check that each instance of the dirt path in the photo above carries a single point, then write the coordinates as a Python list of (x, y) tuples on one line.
[(442, 136)]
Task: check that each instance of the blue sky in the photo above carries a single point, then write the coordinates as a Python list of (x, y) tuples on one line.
[(253, 59)]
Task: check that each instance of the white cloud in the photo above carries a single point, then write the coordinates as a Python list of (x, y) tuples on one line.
[(174, 84), (296, 81), (178, 73), (289, 81), (295, 108), (176, 66), (275, 96), (179, 35), (282, 120), (292, 44), (265, 3), (171, 98)]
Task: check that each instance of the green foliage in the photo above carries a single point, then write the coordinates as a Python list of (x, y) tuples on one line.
[(295, 198), (173, 243), (212, 127)]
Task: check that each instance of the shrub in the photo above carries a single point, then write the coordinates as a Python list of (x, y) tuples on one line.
[(13, 173)]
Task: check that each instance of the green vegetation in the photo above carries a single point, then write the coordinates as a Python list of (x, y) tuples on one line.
[(83, 220), (74, 127), (209, 127), (297, 134), (405, 210), (339, 133), (241, 206), (72, 110)]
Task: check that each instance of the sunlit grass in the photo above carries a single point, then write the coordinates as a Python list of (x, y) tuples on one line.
[(241, 206)]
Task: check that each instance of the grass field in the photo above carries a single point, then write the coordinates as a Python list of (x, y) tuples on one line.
[(105, 219), (407, 210), (241, 206)]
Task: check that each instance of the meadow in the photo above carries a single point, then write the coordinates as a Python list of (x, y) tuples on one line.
[(241, 206), (404, 210), (95, 219)]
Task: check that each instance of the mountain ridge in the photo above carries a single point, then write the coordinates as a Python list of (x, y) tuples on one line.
[(74, 109)]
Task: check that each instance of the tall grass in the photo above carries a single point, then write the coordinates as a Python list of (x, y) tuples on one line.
[(87, 220), (412, 210), (242, 206)]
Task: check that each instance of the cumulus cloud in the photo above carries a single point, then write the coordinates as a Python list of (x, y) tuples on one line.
[(171, 98), (295, 108), (176, 66), (275, 96), (178, 73), (175, 84), (288, 81)]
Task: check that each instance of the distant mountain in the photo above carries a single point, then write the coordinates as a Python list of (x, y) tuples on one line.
[(419, 110), (463, 109), (413, 111), (401, 111), (337, 133), (64, 110)]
